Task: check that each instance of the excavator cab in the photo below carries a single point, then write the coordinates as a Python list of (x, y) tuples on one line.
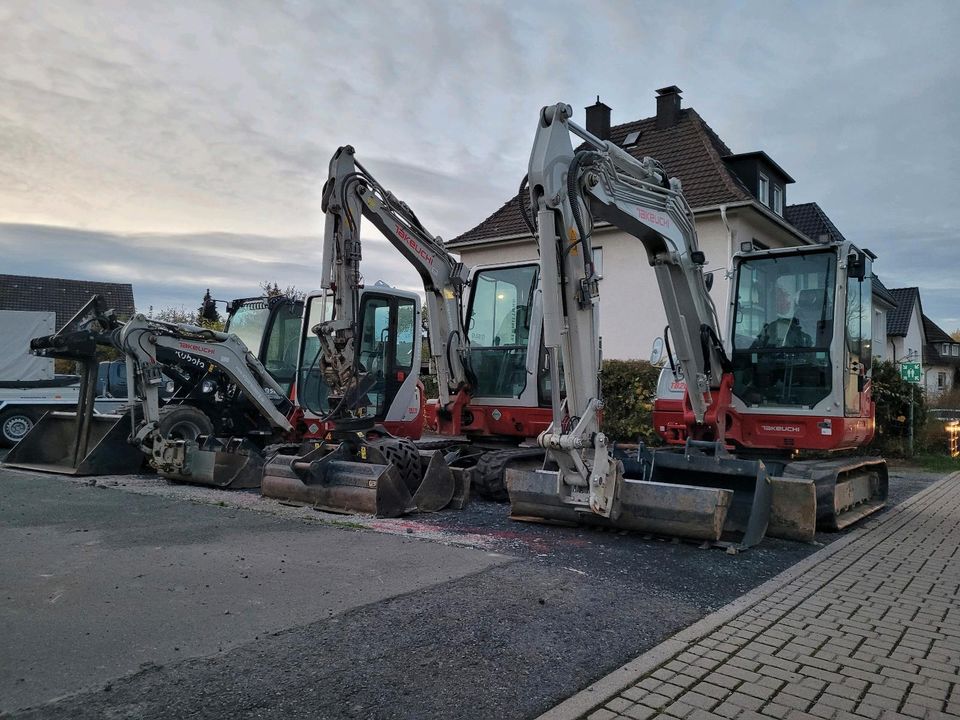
[(800, 350), (510, 398), (270, 328), (357, 457), (389, 356)]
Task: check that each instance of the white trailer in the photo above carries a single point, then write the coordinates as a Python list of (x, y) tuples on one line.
[(29, 385)]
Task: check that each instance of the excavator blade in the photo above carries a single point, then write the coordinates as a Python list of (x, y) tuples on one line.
[(331, 479), (832, 494), (62, 443), (233, 465)]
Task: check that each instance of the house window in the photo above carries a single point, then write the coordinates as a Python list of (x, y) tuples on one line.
[(764, 190), (956, 350), (778, 200), (941, 379), (946, 349)]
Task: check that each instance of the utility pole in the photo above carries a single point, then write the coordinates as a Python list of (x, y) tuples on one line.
[(912, 389), (911, 372)]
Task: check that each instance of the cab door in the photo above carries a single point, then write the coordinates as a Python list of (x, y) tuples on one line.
[(386, 349), (859, 332)]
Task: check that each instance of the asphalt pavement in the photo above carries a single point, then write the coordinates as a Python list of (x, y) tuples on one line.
[(466, 615)]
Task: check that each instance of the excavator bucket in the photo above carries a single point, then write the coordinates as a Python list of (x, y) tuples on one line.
[(71, 443), (706, 470), (372, 479), (233, 465), (437, 487), (697, 493), (330, 478)]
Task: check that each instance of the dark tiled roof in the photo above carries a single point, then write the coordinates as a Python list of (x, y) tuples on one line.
[(880, 290), (935, 339), (64, 297), (935, 333), (812, 221), (689, 150), (898, 319)]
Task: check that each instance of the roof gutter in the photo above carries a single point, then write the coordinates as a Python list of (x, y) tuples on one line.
[(766, 212), (722, 209)]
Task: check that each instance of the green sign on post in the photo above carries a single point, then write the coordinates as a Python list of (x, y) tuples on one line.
[(911, 372)]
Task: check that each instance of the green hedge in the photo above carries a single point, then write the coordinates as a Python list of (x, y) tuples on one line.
[(629, 389), (892, 395)]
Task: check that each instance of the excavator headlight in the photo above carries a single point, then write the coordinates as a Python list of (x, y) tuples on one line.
[(208, 386)]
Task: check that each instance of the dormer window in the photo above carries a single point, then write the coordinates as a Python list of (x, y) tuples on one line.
[(763, 190), (778, 200)]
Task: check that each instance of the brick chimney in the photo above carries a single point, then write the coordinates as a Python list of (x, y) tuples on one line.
[(668, 107), (598, 120)]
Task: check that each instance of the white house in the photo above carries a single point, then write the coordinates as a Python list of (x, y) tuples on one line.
[(913, 337), (736, 198)]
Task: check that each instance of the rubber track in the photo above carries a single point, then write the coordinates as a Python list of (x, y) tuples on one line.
[(403, 454)]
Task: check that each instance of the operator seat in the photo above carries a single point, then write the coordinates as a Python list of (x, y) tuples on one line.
[(810, 316)]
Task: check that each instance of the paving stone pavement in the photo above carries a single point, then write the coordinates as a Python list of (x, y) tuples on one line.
[(871, 631)]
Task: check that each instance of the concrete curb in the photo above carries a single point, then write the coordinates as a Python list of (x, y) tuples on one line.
[(607, 687)]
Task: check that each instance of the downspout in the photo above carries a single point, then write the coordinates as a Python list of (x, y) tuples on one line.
[(728, 274)]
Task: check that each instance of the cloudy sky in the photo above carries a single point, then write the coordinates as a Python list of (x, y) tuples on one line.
[(182, 146)]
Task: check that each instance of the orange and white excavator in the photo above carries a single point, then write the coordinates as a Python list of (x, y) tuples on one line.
[(794, 383)]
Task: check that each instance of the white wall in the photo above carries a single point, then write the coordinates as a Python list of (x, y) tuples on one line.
[(909, 345), (631, 311), (930, 378), (879, 333)]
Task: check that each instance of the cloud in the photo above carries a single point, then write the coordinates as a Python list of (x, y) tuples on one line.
[(175, 270), (202, 131)]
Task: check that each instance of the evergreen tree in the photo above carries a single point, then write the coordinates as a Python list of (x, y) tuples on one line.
[(208, 309)]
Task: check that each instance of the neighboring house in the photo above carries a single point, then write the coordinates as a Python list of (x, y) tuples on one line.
[(913, 337), (736, 198), (905, 339), (941, 359), (64, 297), (884, 303)]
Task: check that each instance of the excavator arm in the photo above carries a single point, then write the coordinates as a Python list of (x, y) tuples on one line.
[(350, 194), (139, 339), (637, 197), (568, 187)]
